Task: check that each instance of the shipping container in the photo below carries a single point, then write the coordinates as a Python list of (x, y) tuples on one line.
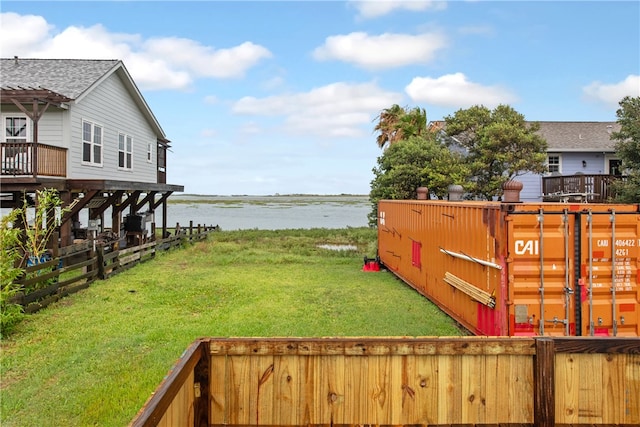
[(511, 269)]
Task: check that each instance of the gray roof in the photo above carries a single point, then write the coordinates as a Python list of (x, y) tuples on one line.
[(69, 77), (579, 136), (571, 136)]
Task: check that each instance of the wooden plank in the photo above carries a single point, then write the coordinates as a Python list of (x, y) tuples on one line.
[(238, 389), (590, 391), (426, 389), (356, 400), (262, 388), (287, 378), (472, 390), (567, 387), (381, 369), (631, 388), (612, 391), (494, 407), (376, 346), (521, 384), (334, 388), (597, 345), (449, 390), (156, 406), (544, 386), (310, 395), (217, 388)]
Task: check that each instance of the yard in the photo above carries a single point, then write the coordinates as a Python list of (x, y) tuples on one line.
[(95, 357)]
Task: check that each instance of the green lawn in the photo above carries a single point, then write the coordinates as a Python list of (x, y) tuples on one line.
[(94, 358)]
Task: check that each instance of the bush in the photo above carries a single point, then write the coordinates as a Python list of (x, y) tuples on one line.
[(10, 313)]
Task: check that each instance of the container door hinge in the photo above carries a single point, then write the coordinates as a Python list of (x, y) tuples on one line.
[(196, 389)]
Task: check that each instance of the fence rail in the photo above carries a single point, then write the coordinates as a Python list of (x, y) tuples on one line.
[(76, 267)]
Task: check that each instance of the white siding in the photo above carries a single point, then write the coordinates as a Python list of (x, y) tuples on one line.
[(111, 106), (50, 125), (50, 128)]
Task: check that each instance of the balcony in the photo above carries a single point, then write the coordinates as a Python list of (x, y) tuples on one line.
[(23, 159), (579, 188)]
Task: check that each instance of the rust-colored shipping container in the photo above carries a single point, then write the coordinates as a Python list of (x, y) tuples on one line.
[(519, 268)]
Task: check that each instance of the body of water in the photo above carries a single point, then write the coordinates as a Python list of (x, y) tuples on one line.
[(259, 212), (267, 212)]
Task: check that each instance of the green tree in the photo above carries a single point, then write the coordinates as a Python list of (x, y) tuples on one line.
[(499, 146), (628, 149), (397, 123), (419, 161)]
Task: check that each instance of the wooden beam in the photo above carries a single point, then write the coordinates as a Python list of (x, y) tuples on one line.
[(544, 411), (110, 200), (162, 199), (130, 199), (150, 195), (77, 207)]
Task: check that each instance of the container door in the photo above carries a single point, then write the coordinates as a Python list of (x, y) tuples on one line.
[(609, 295), (541, 271)]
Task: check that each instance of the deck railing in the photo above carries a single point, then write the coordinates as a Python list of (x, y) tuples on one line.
[(585, 188), (29, 159)]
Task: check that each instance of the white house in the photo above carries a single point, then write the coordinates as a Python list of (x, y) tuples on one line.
[(83, 128)]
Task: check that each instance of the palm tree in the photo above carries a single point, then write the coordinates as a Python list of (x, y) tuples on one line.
[(388, 125), (397, 123)]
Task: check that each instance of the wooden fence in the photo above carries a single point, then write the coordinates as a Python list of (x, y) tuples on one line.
[(400, 381), (76, 267)]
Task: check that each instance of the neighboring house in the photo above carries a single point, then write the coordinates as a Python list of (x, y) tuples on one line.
[(83, 128), (581, 159)]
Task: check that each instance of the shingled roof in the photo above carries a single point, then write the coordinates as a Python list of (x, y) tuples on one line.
[(68, 77), (71, 78), (579, 136), (569, 136)]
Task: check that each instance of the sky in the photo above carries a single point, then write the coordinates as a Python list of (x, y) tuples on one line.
[(266, 97)]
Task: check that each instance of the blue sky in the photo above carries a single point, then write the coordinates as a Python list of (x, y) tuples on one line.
[(281, 97)]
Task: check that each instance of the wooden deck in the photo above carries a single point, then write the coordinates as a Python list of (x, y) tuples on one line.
[(579, 188)]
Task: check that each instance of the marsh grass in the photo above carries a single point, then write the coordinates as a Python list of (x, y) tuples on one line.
[(95, 357)]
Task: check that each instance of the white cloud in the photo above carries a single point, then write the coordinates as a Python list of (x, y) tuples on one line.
[(335, 110), (204, 60), (377, 8), (383, 51), (20, 32), (611, 94), (155, 63), (455, 90)]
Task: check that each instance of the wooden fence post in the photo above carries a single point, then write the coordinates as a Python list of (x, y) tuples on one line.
[(201, 379), (544, 383), (101, 273)]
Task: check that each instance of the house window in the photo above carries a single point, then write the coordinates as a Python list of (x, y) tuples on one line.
[(615, 167), (125, 151), (15, 129), (149, 152), (91, 143), (553, 163)]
